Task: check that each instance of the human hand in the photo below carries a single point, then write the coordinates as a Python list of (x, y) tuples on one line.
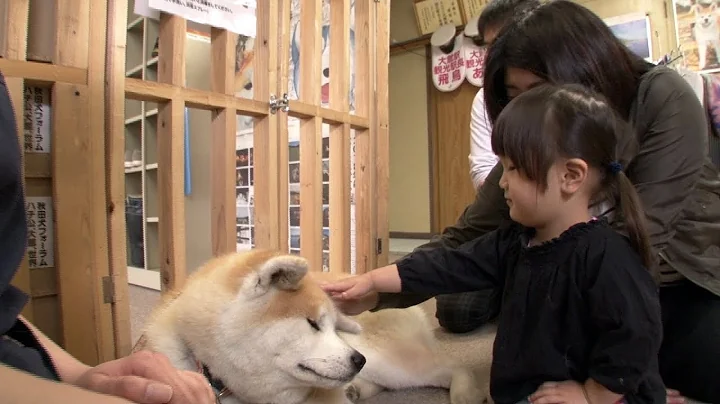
[(147, 378), (567, 392), (674, 397), (352, 295)]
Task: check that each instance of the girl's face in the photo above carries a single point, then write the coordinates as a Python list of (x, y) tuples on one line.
[(530, 205), (518, 81)]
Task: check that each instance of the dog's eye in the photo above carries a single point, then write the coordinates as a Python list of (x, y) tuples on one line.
[(313, 324)]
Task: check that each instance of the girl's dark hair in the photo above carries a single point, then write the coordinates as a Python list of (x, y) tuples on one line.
[(497, 12), (550, 122), (563, 42)]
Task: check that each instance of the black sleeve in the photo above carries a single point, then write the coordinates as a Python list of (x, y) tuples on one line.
[(475, 265), (624, 310), (483, 215)]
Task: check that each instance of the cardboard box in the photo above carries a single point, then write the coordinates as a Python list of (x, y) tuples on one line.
[(431, 14)]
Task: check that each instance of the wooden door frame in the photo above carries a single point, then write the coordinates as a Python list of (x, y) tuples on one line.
[(370, 120)]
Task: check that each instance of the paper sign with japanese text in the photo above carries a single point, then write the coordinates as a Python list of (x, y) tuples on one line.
[(232, 15), (40, 238), (36, 119), (448, 69)]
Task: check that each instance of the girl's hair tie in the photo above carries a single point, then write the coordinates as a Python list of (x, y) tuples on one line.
[(615, 167)]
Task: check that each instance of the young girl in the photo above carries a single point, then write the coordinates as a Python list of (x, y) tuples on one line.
[(580, 319)]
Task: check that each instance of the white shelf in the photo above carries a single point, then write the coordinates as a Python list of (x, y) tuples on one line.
[(135, 71), (144, 277), (135, 24)]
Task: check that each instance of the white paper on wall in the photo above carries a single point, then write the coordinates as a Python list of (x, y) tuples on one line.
[(232, 15), (448, 69), (36, 117), (142, 8), (41, 239)]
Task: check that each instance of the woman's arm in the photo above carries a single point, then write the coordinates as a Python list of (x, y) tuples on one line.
[(68, 367), (673, 147), (482, 159), (22, 387)]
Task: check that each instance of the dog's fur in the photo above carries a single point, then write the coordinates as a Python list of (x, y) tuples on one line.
[(260, 323)]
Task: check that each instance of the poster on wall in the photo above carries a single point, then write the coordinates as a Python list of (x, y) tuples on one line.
[(634, 31), (698, 34), (236, 16), (36, 119), (41, 241)]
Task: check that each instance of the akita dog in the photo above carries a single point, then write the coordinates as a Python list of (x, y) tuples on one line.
[(261, 329)]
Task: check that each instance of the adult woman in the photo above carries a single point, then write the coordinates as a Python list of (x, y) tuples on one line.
[(563, 42)]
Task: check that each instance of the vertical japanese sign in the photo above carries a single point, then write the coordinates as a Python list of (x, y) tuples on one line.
[(431, 14), (448, 70), (36, 117), (474, 62), (41, 240)]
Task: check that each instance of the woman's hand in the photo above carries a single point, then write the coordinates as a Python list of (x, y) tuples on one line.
[(567, 392), (147, 378), (353, 295)]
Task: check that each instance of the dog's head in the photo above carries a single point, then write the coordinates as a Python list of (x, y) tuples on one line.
[(281, 321)]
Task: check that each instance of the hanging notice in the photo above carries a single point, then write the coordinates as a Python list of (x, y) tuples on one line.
[(448, 70), (232, 15), (36, 117), (142, 8), (40, 243)]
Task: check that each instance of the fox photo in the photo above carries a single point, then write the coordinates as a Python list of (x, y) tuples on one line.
[(698, 33)]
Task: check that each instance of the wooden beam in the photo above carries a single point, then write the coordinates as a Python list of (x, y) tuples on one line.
[(171, 156), (311, 134), (98, 14), (285, 39), (365, 223), (339, 166), (136, 89), (43, 74), (301, 110), (265, 132), (15, 48), (224, 124), (115, 172), (382, 154), (78, 158)]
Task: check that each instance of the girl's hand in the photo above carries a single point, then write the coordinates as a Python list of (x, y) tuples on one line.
[(352, 288), (567, 392)]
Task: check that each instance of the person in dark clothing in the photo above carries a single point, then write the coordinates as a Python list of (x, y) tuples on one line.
[(563, 42), (580, 318), (33, 369)]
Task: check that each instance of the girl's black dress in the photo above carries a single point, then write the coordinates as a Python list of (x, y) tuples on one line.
[(579, 306)]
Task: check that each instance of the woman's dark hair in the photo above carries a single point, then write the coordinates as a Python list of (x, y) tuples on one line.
[(497, 12), (550, 122), (563, 42)]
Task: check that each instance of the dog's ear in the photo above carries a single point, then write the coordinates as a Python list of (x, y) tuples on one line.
[(282, 272), (347, 324)]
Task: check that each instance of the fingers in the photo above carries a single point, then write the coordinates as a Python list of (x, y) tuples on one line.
[(674, 397), (547, 393), (187, 387), (337, 287), (134, 388)]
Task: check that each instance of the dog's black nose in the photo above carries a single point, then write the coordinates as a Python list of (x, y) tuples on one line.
[(358, 360)]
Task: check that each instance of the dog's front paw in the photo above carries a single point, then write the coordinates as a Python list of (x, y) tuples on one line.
[(352, 393)]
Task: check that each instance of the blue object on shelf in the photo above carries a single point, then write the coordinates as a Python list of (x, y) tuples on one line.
[(188, 175)]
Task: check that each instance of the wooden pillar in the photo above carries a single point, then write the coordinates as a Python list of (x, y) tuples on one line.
[(340, 137), (311, 134), (171, 158)]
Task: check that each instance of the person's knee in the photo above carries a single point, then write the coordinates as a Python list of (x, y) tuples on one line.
[(465, 312)]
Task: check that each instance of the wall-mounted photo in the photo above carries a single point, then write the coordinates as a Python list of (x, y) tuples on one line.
[(634, 31), (698, 34)]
